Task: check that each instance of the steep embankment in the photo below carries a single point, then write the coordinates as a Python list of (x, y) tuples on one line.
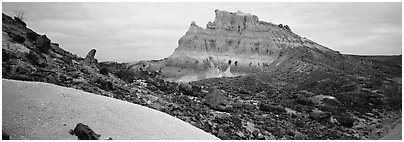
[(33, 110)]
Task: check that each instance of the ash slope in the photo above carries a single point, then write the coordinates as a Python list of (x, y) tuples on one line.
[(34, 110), (305, 94)]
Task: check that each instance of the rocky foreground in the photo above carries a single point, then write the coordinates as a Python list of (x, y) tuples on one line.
[(303, 94)]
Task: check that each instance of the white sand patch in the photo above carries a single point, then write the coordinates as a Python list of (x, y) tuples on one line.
[(34, 110)]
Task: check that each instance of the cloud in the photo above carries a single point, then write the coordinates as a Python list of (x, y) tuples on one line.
[(142, 31)]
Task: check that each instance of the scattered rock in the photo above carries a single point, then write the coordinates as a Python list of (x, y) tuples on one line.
[(319, 98), (303, 101), (240, 134), (269, 136), (17, 38), (260, 137), (272, 108), (287, 28), (105, 85), (83, 132), (22, 77), (345, 120), (53, 79), (67, 60), (31, 36), (255, 133), (217, 100), (237, 122), (318, 115), (37, 59), (43, 44), (291, 111), (221, 134), (104, 71), (186, 89)]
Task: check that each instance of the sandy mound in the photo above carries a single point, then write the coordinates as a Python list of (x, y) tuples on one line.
[(34, 110)]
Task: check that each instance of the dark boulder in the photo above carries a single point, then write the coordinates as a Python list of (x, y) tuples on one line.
[(7, 55), (83, 132), (105, 85), (104, 71), (287, 28), (303, 101), (22, 77), (67, 60), (53, 79), (17, 38), (43, 44), (207, 126), (22, 70), (31, 35), (7, 19), (272, 108), (330, 102), (126, 75), (345, 120), (217, 100), (319, 115), (37, 59), (186, 89), (374, 99)]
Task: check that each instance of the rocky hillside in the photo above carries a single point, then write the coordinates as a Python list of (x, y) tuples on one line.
[(237, 42), (303, 91)]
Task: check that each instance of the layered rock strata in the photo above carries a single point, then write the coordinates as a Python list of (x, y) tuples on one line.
[(237, 42)]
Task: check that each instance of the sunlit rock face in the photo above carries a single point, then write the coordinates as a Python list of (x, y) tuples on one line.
[(235, 43)]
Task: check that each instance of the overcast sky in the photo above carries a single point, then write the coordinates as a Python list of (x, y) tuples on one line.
[(126, 32)]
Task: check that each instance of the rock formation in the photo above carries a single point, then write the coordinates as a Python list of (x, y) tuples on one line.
[(90, 60), (43, 43), (238, 38)]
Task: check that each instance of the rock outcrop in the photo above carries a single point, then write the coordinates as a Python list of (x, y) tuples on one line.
[(237, 42), (90, 58), (43, 43)]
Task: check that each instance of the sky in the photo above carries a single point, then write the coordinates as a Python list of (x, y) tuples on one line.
[(126, 32)]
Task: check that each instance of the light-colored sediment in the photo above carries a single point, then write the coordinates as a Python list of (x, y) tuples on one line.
[(35, 110), (395, 133), (234, 39)]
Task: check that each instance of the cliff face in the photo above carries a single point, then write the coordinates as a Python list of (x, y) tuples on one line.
[(237, 42)]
